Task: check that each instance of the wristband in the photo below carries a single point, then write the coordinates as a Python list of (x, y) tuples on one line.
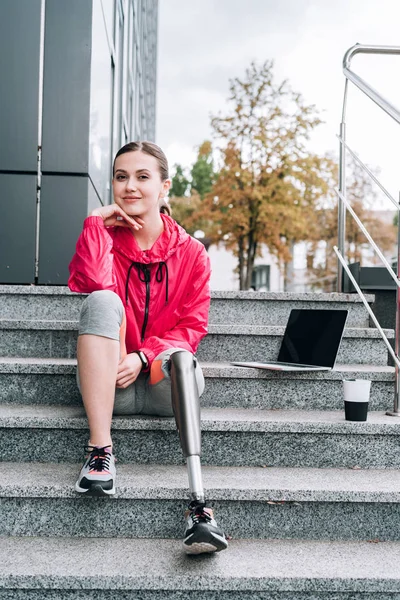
[(143, 359)]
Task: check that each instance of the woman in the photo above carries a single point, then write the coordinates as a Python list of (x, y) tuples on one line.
[(141, 325)]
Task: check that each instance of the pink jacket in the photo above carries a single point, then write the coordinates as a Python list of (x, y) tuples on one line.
[(165, 290)]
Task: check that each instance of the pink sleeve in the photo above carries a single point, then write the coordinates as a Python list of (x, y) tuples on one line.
[(91, 267)]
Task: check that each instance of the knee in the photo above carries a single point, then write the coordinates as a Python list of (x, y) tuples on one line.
[(103, 298), (103, 301), (99, 308)]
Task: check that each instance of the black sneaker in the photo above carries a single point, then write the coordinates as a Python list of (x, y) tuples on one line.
[(202, 533), (97, 476)]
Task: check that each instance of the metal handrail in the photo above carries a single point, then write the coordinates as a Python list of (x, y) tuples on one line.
[(368, 171), (384, 104), (369, 238), (387, 106), (367, 306), (394, 113)]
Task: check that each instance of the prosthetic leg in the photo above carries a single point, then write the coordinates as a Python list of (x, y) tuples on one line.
[(202, 533), (186, 406)]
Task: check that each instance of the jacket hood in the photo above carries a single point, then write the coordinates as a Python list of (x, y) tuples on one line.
[(171, 238)]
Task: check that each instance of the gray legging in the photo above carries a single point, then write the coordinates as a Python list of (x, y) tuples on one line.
[(102, 314)]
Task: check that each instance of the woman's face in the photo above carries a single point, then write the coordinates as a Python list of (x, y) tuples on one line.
[(137, 184)]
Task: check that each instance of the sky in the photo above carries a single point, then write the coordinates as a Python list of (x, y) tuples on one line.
[(204, 43)]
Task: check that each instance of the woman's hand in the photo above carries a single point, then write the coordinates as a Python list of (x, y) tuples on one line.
[(113, 215), (129, 369)]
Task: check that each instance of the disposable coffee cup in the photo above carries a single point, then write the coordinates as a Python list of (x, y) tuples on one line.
[(356, 399)]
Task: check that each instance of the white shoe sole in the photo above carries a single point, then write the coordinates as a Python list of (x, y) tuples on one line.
[(203, 547), (199, 548)]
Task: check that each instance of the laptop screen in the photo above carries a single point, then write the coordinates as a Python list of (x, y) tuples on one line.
[(312, 337)]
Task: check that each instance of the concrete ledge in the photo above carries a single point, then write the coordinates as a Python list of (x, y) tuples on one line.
[(39, 381), (52, 338), (59, 290), (235, 437), (252, 484), (304, 568), (212, 419), (210, 369), (30, 302), (231, 329)]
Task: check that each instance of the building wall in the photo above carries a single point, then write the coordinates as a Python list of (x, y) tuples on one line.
[(82, 84), (224, 263)]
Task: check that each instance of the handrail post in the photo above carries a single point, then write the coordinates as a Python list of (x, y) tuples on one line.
[(395, 411), (341, 206)]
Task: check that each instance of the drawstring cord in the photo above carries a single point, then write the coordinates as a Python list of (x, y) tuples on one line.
[(159, 278), (144, 276)]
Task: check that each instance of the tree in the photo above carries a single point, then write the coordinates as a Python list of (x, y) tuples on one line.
[(186, 195), (180, 183), (202, 172), (361, 194), (184, 210), (267, 188)]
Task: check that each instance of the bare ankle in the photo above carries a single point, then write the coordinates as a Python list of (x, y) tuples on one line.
[(102, 445)]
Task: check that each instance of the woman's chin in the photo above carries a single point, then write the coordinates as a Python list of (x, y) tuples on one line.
[(134, 212)]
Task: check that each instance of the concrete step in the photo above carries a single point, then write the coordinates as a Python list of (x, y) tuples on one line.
[(37, 568), (230, 437), (57, 339), (273, 308), (245, 343), (250, 308), (249, 502), (53, 381)]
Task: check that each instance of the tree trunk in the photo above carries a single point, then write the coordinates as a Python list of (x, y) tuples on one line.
[(289, 270), (241, 263), (251, 254)]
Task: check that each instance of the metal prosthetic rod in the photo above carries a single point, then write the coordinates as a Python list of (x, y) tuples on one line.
[(186, 406)]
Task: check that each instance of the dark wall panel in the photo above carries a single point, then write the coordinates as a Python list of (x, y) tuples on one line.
[(62, 212), (19, 77), (66, 94), (17, 228)]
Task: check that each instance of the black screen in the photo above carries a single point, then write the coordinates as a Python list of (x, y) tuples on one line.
[(312, 337)]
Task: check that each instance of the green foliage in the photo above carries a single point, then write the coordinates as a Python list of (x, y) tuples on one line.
[(184, 210), (202, 172), (180, 183)]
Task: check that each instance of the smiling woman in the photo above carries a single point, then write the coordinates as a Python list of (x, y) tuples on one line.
[(141, 325)]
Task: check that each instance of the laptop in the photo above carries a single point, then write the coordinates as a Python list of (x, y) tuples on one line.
[(310, 343)]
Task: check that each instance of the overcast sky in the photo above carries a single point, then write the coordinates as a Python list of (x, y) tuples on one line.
[(204, 43)]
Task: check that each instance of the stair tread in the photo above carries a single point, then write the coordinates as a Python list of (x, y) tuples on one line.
[(280, 565), (59, 290), (152, 481), (210, 369), (213, 419), (217, 328)]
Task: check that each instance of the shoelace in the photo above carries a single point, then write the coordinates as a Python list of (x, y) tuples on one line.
[(99, 458), (198, 514)]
